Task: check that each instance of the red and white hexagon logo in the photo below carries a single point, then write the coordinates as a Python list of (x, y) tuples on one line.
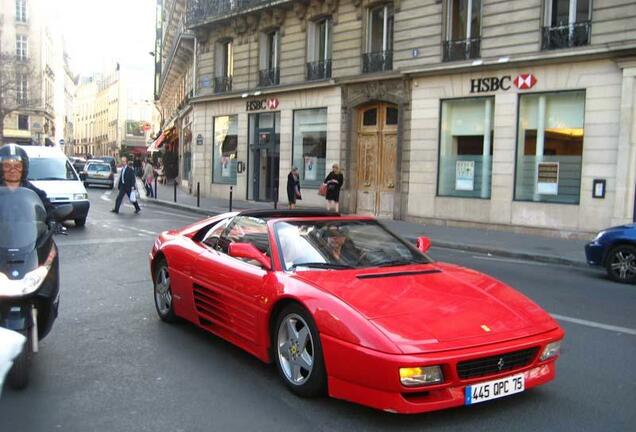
[(272, 103), (525, 81)]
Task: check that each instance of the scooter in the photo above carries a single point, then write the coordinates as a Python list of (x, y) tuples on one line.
[(29, 273)]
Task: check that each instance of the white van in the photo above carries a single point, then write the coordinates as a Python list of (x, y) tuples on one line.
[(51, 171)]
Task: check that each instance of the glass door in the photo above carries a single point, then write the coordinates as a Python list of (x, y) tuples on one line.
[(264, 161)]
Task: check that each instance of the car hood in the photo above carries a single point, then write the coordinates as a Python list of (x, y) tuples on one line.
[(435, 307), (60, 188)]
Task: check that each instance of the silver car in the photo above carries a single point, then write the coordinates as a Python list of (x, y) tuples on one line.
[(99, 173)]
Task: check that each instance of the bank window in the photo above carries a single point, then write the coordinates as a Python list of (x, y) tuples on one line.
[(225, 149), (466, 148), (379, 44), (310, 145), (463, 30), (550, 147), (567, 24)]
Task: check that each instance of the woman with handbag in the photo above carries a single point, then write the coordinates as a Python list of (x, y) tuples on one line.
[(333, 183), (293, 187)]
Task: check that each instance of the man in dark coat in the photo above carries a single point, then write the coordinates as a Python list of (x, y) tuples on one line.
[(126, 184)]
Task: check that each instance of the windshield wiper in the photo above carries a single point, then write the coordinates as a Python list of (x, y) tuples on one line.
[(321, 265), (398, 263)]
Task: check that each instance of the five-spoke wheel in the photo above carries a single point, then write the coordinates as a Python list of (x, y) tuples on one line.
[(621, 264), (163, 293)]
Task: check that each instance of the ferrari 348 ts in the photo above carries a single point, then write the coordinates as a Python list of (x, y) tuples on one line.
[(345, 307)]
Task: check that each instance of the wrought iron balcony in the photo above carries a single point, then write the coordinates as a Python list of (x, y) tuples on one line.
[(201, 12), (379, 61), (268, 77), (567, 36), (318, 70), (464, 49), (222, 84)]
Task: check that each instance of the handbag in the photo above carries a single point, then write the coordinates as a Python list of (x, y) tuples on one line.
[(133, 196), (322, 191)]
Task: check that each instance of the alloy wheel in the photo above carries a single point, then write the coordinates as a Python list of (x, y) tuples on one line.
[(163, 295), (623, 264), (295, 349)]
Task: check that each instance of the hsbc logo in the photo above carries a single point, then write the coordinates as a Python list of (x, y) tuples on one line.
[(262, 104), (491, 84)]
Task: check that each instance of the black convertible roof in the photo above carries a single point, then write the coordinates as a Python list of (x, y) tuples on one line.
[(273, 214)]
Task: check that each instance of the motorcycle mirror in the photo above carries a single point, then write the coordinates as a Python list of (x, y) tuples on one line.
[(61, 212)]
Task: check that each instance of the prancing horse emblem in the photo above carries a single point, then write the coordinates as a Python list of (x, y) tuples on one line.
[(500, 363)]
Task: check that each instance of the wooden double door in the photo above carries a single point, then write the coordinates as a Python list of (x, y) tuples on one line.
[(377, 159)]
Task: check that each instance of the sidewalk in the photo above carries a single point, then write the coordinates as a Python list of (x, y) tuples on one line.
[(495, 242)]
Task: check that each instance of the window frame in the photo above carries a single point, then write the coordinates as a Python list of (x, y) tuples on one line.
[(22, 89), (22, 117), (319, 180), (449, 21), (20, 11), (228, 182), (21, 47), (385, 32), (313, 51), (547, 12)]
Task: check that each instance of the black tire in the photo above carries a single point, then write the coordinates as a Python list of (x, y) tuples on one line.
[(86, 185), (80, 222), (621, 264), (18, 377), (166, 314), (314, 382)]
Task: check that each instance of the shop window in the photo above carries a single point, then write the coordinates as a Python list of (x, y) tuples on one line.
[(225, 149), (319, 49), (310, 145), (550, 147), (567, 24), (463, 30), (466, 148), (379, 44)]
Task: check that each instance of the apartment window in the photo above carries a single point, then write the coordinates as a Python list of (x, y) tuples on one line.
[(379, 44), (22, 89), (23, 122), (463, 30), (20, 10), (21, 47), (224, 66), (310, 145), (567, 24), (550, 147), (466, 147), (269, 59), (225, 149), (319, 49)]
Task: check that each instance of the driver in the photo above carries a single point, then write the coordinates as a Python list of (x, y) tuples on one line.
[(341, 247), (14, 168)]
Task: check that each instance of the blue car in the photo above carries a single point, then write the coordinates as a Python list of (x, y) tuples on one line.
[(615, 249)]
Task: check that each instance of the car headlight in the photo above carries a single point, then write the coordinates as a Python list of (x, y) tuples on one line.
[(30, 283), (599, 235), (551, 350), (80, 196), (417, 376)]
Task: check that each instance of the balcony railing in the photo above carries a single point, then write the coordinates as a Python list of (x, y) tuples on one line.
[(268, 77), (567, 36), (379, 61), (464, 49), (200, 12), (319, 70), (222, 84)]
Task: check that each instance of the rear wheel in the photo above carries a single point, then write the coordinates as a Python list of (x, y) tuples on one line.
[(18, 377), (163, 293), (298, 352), (621, 264), (80, 222)]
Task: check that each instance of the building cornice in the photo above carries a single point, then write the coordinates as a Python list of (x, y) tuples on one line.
[(264, 91)]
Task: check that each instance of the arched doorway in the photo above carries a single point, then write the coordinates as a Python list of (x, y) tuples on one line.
[(377, 125)]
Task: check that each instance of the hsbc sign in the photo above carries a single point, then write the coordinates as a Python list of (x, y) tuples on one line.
[(262, 104), (491, 84)]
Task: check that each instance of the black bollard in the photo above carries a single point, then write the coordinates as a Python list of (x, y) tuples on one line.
[(155, 187), (275, 197), (230, 198), (198, 195), (175, 190)]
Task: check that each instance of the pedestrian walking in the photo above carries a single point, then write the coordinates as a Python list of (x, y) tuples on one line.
[(293, 187), (148, 177), (126, 186), (334, 182)]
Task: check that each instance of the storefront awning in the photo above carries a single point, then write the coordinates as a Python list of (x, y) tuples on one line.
[(156, 144)]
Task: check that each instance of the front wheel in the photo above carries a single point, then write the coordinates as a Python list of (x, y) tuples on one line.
[(621, 264), (18, 377), (163, 293), (80, 222), (298, 352)]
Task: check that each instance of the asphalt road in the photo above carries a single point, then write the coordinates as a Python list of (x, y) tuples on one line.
[(111, 365)]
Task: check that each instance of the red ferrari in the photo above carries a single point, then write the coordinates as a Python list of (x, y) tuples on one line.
[(344, 307)]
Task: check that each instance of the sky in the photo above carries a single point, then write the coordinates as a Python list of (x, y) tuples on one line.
[(100, 33)]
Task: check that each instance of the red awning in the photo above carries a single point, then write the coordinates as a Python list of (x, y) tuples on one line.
[(156, 144)]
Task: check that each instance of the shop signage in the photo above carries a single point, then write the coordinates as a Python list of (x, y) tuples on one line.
[(262, 104), (548, 178), (490, 84)]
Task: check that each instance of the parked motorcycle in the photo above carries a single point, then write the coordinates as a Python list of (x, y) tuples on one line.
[(29, 273)]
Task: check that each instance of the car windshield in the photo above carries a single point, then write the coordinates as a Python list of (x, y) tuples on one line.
[(51, 169), (22, 219), (342, 244), (102, 168)]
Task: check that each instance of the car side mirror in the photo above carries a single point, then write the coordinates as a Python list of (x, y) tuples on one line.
[(82, 176), (423, 244), (61, 212), (249, 251)]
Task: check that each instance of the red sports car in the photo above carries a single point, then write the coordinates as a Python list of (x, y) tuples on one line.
[(344, 307)]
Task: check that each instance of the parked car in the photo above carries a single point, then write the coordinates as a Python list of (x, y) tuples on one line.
[(99, 173), (78, 163), (51, 171), (345, 307), (615, 249), (110, 160)]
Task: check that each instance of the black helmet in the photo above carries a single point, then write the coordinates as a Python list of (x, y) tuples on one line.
[(14, 152)]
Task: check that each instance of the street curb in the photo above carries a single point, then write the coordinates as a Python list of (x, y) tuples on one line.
[(547, 259)]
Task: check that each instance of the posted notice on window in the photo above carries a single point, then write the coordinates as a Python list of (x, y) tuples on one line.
[(465, 175), (311, 173), (548, 178)]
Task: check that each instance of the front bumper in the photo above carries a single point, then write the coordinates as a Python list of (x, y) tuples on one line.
[(371, 378), (99, 181), (594, 253), (80, 208)]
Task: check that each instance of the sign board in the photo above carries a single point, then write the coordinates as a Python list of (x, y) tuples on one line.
[(199, 139), (262, 104), (523, 81), (548, 178), (61, 142), (311, 170), (465, 175)]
